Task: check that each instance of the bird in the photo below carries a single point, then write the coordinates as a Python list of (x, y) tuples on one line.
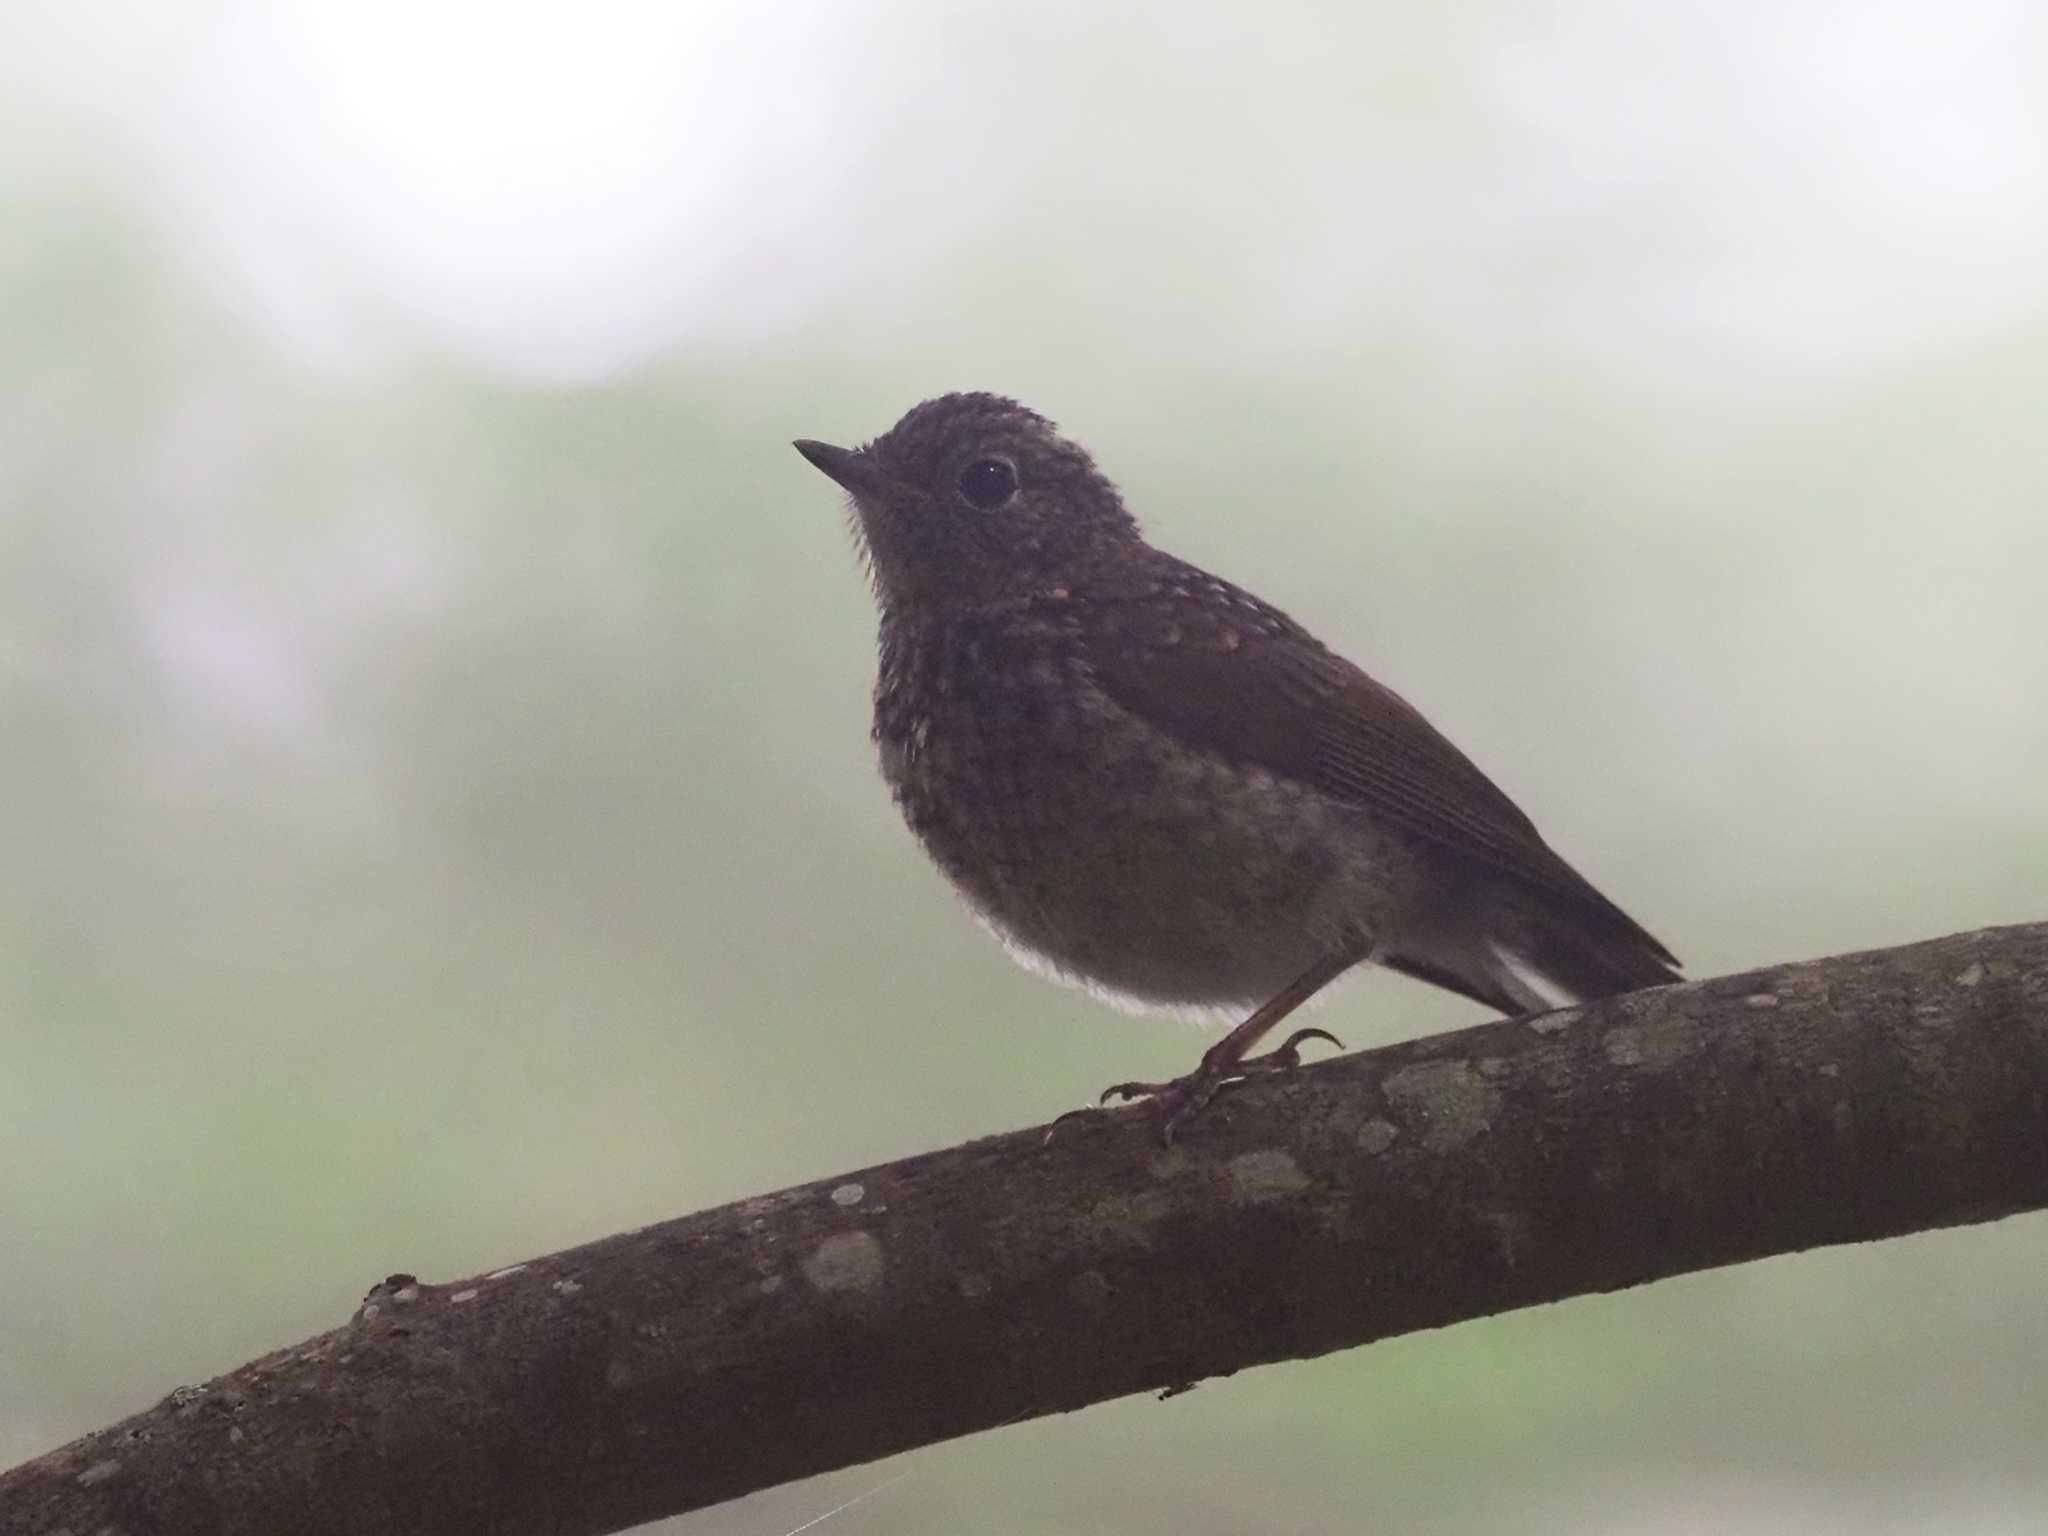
[(1147, 781)]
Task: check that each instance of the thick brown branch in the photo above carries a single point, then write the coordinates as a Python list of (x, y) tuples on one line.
[(1447, 1178)]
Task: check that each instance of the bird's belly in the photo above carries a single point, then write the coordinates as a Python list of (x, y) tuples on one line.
[(1114, 858)]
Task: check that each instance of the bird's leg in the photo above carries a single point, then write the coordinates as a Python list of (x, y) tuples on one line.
[(1229, 1059)]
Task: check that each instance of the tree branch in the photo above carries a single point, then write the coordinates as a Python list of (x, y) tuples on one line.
[(1517, 1162)]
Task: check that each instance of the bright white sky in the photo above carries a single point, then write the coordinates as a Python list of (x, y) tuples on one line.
[(557, 190), (563, 192)]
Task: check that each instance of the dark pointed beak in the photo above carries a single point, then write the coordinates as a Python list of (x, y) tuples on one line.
[(849, 467)]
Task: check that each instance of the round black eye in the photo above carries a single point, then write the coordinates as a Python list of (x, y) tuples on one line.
[(988, 483)]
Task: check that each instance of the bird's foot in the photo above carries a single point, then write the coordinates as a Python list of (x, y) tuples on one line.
[(1178, 1101), (1284, 1057), (1173, 1102)]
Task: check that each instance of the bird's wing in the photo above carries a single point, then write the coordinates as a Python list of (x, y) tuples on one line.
[(1216, 668)]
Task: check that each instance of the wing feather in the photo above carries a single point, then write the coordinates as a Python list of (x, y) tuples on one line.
[(1213, 666)]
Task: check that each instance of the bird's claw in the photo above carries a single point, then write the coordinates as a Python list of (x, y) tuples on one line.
[(1179, 1099), (1130, 1091), (1287, 1055), (1173, 1102)]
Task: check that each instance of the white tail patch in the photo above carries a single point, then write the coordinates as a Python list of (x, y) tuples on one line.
[(1531, 988)]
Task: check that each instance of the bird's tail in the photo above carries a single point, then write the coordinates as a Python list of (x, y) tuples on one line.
[(1536, 958)]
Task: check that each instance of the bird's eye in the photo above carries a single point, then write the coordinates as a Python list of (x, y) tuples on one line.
[(987, 483)]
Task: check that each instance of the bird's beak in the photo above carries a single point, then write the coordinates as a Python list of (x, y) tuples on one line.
[(848, 466)]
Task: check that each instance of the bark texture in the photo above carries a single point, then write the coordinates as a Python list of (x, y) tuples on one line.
[(1518, 1162)]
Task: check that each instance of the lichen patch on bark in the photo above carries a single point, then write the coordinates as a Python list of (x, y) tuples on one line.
[(1445, 1103), (846, 1261), (1264, 1175), (1655, 1046), (1376, 1135)]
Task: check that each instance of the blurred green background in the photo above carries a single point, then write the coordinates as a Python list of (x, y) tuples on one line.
[(439, 821)]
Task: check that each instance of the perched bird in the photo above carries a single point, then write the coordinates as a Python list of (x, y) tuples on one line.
[(1148, 782)]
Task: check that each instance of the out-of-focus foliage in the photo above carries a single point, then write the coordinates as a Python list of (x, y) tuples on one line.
[(436, 816)]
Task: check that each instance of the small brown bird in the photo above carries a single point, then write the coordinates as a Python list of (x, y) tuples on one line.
[(1148, 782)]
